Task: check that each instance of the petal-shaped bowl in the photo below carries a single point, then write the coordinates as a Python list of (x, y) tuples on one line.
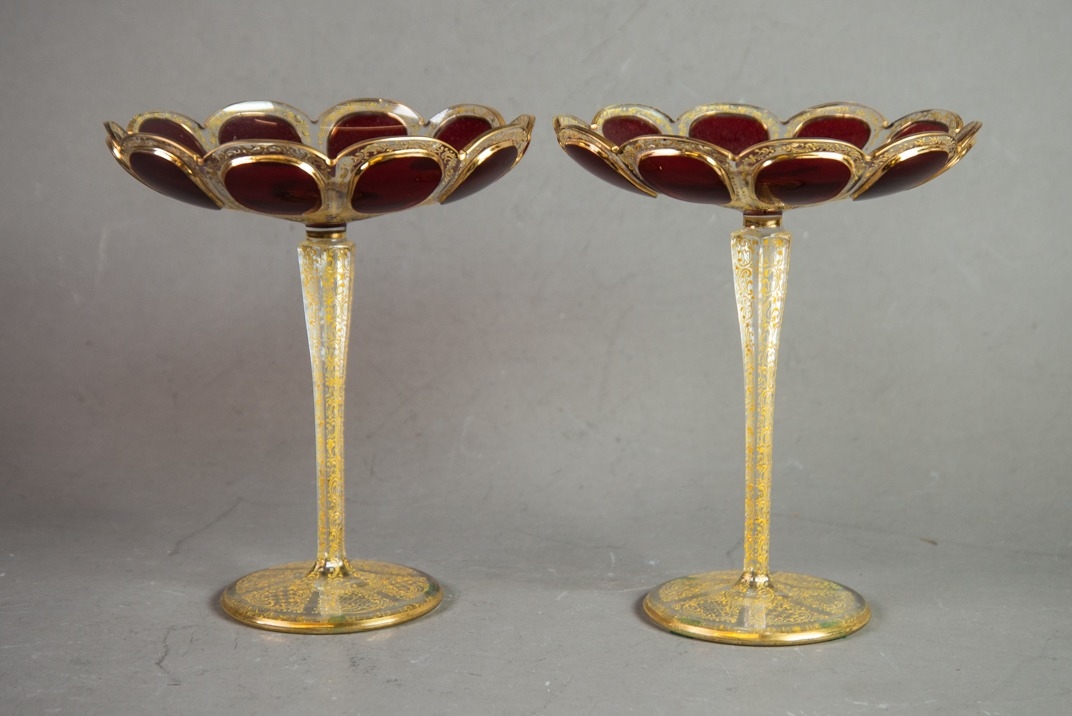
[(745, 158), (361, 158)]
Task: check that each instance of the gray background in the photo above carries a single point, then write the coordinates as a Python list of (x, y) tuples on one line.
[(545, 402)]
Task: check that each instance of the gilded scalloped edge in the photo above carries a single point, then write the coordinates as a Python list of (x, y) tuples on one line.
[(335, 176), (882, 151)]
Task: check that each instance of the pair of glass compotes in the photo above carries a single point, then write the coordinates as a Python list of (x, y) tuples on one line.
[(368, 157)]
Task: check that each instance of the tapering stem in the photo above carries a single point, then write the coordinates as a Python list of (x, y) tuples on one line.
[(756, 606), (760, 271), (335, 595), (326, 259)]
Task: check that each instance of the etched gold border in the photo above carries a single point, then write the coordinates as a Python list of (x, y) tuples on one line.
[(637, 150), (902, 150), (259, 108), (330, 118), (658, 119), (739, 171), (309, 169), (769, 121), (517, 134), (173, 152), (474, 159), (334, 176), (759, 157), (571, 131), (372, 160)]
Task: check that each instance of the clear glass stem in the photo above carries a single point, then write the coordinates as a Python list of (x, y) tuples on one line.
[(760, 272), (336, 595), (326, 260), (756, 606)]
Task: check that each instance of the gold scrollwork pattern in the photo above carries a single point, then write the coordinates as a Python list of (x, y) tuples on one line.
[(868, 158), (296, 597), (787, 609), (197, 151), (760, 272), (327, 282), (331, 594)]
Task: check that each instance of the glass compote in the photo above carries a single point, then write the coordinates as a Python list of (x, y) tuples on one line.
[(745, 158), (361, 158)]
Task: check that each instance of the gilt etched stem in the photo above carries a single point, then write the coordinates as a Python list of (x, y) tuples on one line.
[(760, 271), (326, 259)]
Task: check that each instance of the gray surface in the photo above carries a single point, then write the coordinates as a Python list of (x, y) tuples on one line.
[(544, 396)]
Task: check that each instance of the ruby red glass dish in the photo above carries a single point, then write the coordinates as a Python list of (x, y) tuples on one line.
[(361, 158), (744, 157)]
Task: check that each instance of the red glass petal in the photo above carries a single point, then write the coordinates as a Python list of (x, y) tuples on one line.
[(458, 132), (907, 174), (395, 184), (488, 171), (258, 127), (168, 178), (920, 127), (597, 165), (803, 181), (172, 130), (732, 132), (621, 129), (853, 130), (361, 127), (273, 188), (685, 178)]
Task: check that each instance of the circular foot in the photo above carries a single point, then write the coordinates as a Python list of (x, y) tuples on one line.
[(365, 595), (733, 608)]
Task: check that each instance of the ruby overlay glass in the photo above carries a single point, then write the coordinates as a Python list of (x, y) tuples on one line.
[(360, 159), (745, 158)]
